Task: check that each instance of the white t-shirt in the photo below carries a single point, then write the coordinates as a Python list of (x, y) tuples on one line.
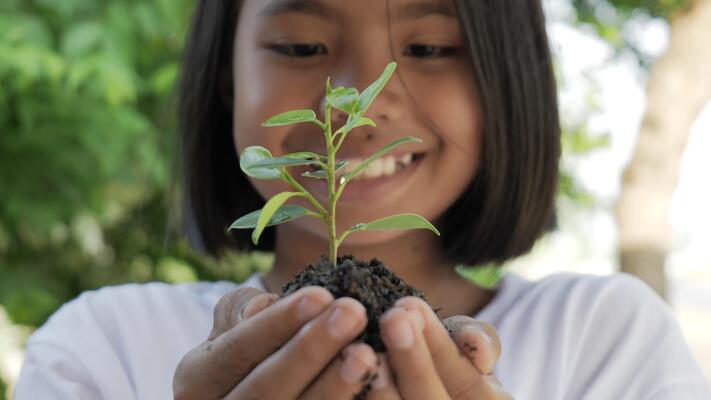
[(567, 336)]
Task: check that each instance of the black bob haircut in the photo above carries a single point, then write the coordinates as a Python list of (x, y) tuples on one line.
[(507, 207)]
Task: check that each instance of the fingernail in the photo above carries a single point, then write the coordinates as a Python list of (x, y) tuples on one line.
[(399, 334), (342, 322), (309, 308), (353, 369), (417, 319)]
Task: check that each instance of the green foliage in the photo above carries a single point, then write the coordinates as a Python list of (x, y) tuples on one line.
[(285, 213), (252, 155), (608, 17), (393, 222), (259, 163), (86, 129), (3, 389), (577, 141), (588, 9), (268, 211), (292, 117), (486, 276)]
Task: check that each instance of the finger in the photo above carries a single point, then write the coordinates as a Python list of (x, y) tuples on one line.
[(477, 340), (303, 357), (347, 374), (217, 365), (238, 305), (383, 387), (415, 373), (456, 371)]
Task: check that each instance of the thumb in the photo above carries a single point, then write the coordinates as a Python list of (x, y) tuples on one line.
[(237, 306), (477, 340)]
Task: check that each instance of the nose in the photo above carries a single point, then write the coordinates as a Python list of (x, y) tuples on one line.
[(387, 107)]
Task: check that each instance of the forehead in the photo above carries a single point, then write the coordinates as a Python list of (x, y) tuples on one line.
[(337, 9)]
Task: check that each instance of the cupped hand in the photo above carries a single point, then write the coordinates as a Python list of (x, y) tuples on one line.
[(263, 347), (423, 362)]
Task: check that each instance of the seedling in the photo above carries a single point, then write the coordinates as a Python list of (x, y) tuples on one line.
[(257, 162)]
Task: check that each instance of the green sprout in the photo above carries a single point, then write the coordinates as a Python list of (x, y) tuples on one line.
[(258, 162)]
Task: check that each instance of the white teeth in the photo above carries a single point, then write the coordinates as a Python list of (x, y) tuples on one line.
[(406, 159), (385, 166), (374, 169), (389, 165)]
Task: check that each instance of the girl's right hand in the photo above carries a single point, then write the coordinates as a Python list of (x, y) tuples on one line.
[(264, 347)]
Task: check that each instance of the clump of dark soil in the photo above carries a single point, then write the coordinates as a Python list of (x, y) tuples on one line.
[(371, 283)]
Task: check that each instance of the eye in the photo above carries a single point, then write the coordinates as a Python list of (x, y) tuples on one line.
[(430, 51), (299, 50)]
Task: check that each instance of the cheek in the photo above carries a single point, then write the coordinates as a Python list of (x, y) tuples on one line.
[(454, 106)]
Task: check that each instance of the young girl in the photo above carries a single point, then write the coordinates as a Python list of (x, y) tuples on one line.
[(475, 83)]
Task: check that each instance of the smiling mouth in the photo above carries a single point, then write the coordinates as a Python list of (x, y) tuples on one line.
[(383, 167), (376, 183)]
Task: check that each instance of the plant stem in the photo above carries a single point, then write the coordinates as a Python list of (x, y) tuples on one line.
[(296, 185), (331, 179)]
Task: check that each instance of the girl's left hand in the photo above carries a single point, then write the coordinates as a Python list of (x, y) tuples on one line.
[(428, 364)]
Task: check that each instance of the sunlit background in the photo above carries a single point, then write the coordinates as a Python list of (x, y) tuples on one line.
[(86, 134)]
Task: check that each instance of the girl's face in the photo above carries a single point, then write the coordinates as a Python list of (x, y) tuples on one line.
[(285, 50)]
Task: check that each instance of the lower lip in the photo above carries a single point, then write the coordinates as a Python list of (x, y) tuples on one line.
[(365, 188)]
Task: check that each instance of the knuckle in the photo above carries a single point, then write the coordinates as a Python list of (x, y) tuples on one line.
[(463, 389), (234, 359)]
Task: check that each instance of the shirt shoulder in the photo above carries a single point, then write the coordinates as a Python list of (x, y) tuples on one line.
[(119, 342), (599, 336)]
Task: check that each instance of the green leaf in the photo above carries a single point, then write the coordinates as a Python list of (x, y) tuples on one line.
[(269, 210), (289, 160), (252, 155), (350, 126), (372, 91), (367, 98), (486, 276), (395, 222), (344, 99), (285, 213), (321, 174), (329, 89), (292, 117), (379, 154)]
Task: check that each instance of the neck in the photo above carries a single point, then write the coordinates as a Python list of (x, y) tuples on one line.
[(415, 257)]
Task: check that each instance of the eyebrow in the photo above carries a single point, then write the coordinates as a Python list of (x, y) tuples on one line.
[(317, 8), (424, 9), (311, 7)]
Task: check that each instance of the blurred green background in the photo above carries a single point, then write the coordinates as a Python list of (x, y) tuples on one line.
[(88, 122), (88, 195)]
